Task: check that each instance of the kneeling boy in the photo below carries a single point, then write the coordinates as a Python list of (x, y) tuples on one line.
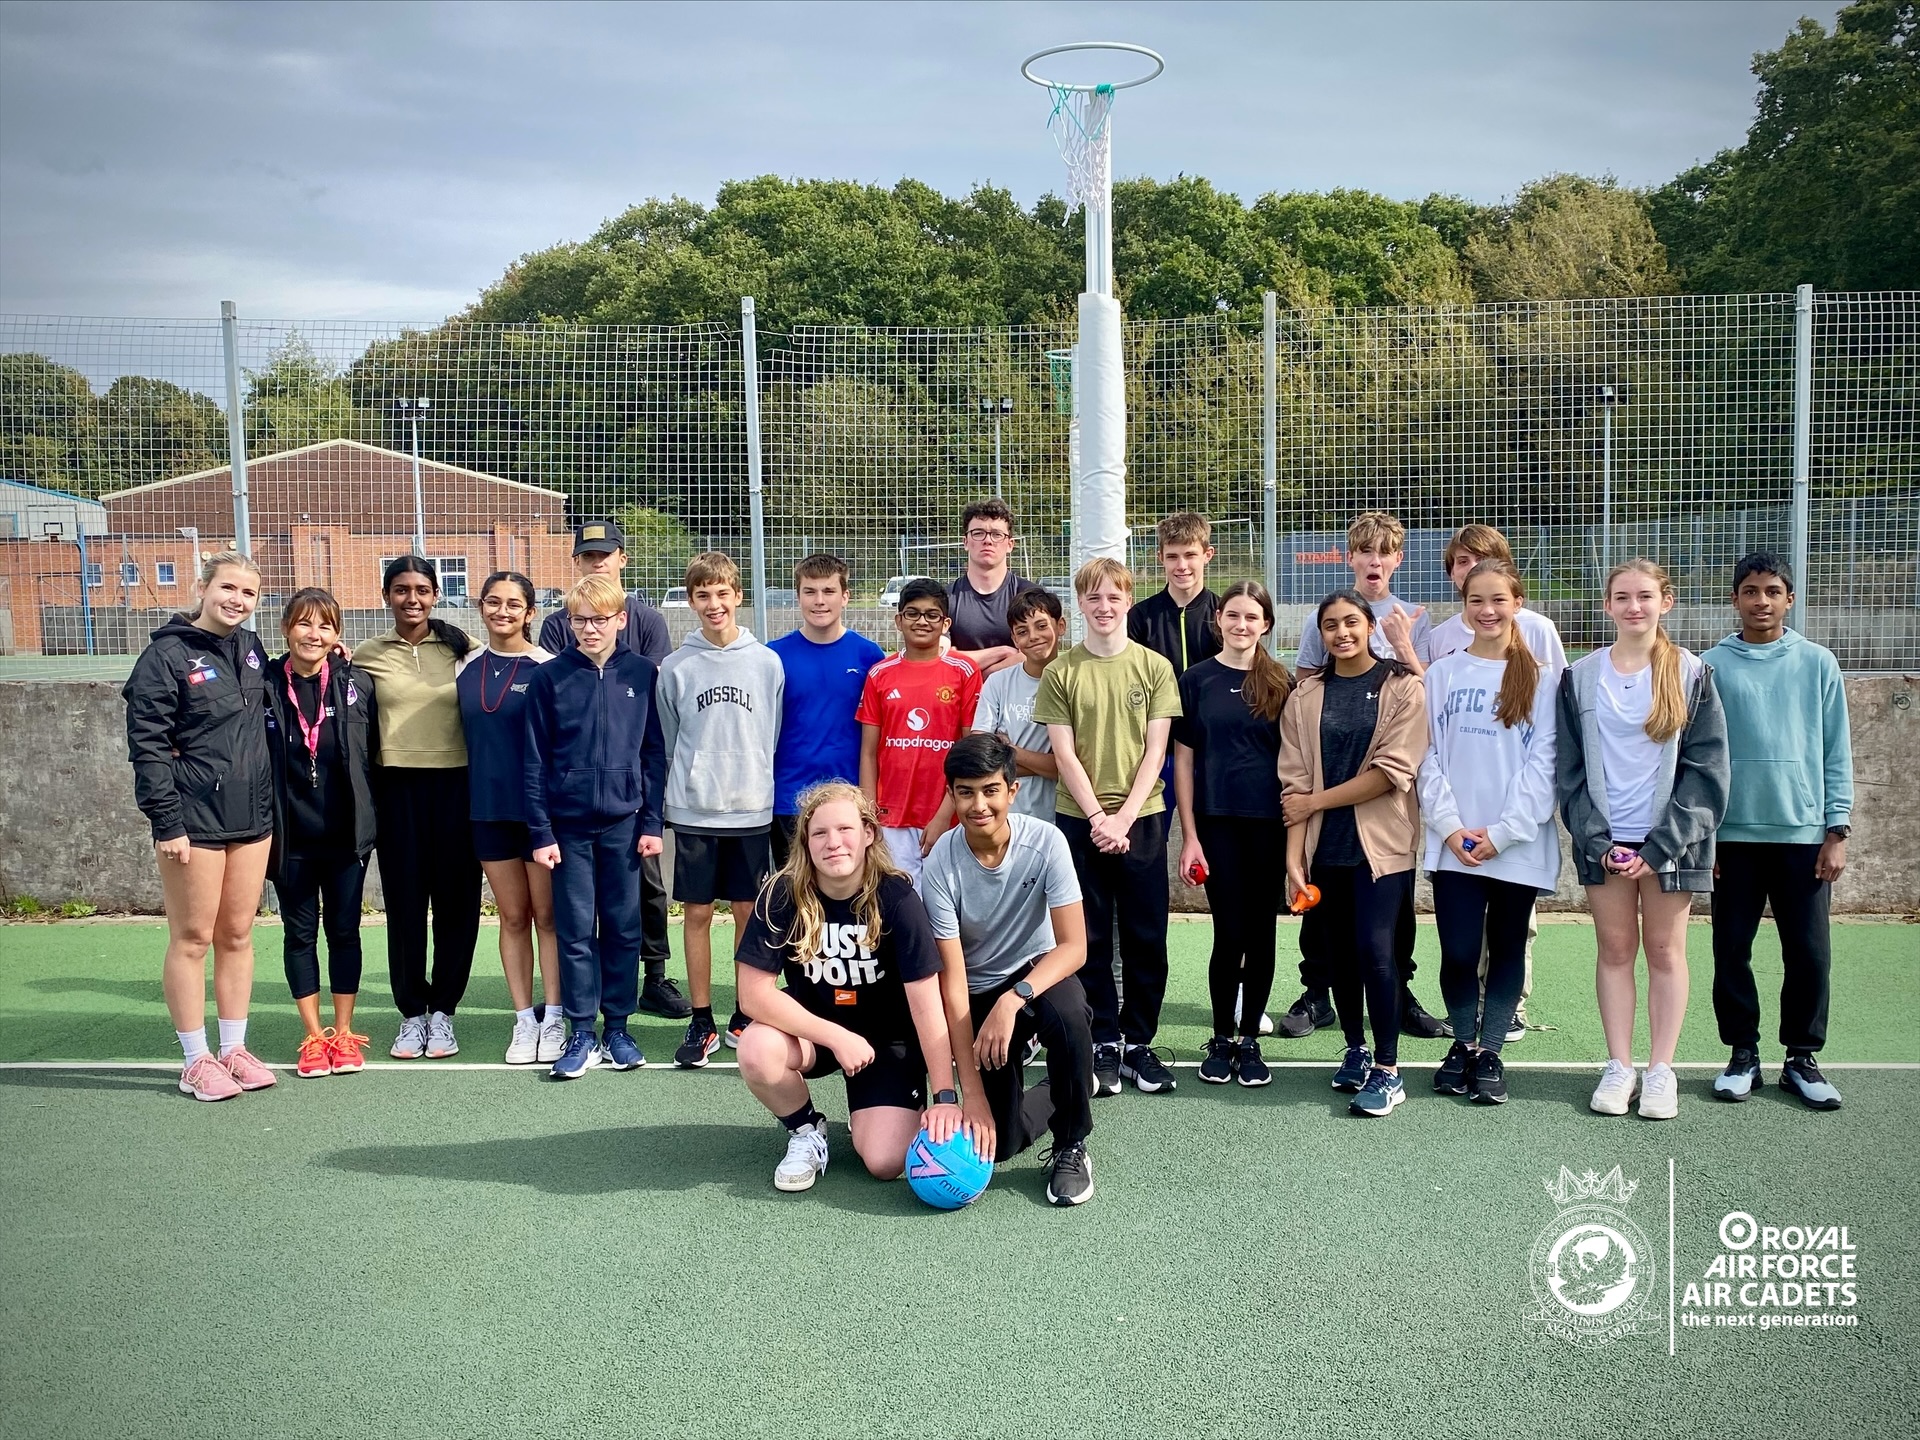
[(1005, 904), (862, 994)]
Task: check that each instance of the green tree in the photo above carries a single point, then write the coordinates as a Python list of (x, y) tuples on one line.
[(155, 430), (1826, 189), (299, 399), (1568, 238)]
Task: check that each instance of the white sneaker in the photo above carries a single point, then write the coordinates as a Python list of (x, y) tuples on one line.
[(524, 1047), (553, 1036), (411, 1042), (1266, 1020), (1614, 1093), (806, 1159), (1660, 1093), (440, 1041)]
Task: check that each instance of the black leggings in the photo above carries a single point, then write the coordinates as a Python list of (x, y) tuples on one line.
[(1468, 909), (1351, 935), (313, 888), (427, 860), (1243, 892)]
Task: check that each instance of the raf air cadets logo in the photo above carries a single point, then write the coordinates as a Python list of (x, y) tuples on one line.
[(1592, 1266), (1136, 696)]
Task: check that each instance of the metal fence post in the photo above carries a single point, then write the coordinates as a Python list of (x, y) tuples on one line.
[(1802, 446), (1269, 446), (750, 362), (236, 428)]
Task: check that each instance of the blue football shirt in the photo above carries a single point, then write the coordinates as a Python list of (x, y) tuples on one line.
[(819, 738)]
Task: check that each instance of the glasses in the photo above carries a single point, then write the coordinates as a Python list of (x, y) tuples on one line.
[(997, 537), (923, 617), (505, 607), (592, 622)]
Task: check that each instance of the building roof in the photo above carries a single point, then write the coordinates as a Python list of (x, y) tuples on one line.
[(62, 496), (330, 450)]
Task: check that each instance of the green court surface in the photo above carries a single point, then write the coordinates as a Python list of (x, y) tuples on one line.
[(434, 1251)]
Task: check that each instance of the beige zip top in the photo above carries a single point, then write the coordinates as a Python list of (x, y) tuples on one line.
[(419, 708)]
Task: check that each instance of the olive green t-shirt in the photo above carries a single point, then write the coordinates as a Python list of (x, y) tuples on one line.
[(1109, 703)]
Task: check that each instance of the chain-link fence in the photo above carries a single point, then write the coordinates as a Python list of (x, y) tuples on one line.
[(1587, 430)]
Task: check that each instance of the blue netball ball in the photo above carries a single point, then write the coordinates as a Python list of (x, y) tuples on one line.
[(949, 1176)]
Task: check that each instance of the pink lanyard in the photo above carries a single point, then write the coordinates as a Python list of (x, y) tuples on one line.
[(310, 733)]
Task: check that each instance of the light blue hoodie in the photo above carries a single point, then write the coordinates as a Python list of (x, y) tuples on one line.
[(1787, 738)]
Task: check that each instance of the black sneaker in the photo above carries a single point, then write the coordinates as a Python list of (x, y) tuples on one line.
[(1106, 1070), (702, 1040), (1741, 1077), (1149, 1074), (1451, 1077), (736, 1027), (660, 996), (1069, 1174), (1415, 1021), (1801, 1076), (1312, 1011), (1217, 1068), (1353, 1070), (1248, 1066), (1488, 1079)]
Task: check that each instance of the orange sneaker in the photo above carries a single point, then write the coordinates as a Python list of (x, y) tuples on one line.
[(346, 1052), (247, 1072), (208, 1079), (316, 1056)]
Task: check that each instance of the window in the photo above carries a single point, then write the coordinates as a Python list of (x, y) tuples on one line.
[(163, 573), (452, 570), (129, 575), (96, 575)]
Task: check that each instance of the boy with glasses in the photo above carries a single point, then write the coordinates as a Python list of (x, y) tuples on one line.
[(977, 599), (914, 705)]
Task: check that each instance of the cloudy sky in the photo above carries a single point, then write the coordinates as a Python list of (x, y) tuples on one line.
[(388, 161)]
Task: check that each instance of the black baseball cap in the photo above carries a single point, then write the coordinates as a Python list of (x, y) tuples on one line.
[(601, 536)]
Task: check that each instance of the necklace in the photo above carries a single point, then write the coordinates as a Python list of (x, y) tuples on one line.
[(505, 690)]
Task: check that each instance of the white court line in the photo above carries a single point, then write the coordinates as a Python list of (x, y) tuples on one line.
[(431, 1067)]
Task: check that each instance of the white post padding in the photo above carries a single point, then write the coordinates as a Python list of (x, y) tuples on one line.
[(1100, 393)]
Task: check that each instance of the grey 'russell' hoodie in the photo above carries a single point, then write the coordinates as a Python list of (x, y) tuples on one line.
[(720, 715)]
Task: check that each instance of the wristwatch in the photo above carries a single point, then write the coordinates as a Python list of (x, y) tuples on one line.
[(946, 1097), (1840, 832), (1025, 992)]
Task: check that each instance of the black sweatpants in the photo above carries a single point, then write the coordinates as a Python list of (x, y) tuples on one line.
[(1064, 1025), (1315, 976), (427, 863), (313, 888), (1132, 886), (1469, 910), (1751, 876), (1243, 893), (653, 919), (1350, 933)]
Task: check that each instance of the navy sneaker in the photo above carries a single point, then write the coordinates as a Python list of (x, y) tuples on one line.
[(1217, 1068), (581, 1055), (1801, 1076), (1451, 1077), (1487, 1082), (1379, 1095), (1249, 1067), (621, 1052), (1741, 1077), (1354, 1070), (702, 1040)]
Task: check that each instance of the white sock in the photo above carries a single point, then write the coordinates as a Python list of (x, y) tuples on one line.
[(233, 1034), (555, 1014), (193, 1044), (525, 1017)]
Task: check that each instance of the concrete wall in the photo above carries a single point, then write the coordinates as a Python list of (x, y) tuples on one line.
[(69, 829)]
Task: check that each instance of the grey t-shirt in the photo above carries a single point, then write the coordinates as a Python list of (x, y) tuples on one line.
[(1314, 652), (980, 621), (1006, 708), (999, 916)]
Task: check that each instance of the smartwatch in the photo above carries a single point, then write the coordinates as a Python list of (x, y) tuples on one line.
[(946, 1097), (1025, 993), (1839, 832)]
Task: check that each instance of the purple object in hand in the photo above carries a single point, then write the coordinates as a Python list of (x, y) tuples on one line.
[(1468, 843), (1620, 857)]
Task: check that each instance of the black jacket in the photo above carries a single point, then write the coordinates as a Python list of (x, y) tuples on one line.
[(352, 731), (1185, 637), (197, 734)]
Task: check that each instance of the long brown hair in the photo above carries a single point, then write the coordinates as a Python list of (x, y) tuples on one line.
[(1268, 683), (802, 882), (1521, 682), (1669, 710)]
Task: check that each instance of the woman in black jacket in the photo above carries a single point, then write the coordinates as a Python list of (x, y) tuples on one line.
[(203, 777), (321, 730)]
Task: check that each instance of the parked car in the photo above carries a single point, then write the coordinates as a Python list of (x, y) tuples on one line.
[(549, 598), (778, 599), (890, 597), (675, 598)]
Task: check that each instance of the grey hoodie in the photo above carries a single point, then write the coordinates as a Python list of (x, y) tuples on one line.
[(720, 715), (1688, 802)]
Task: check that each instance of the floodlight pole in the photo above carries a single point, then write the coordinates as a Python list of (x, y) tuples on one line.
[(1269, 447), (411, 409), (236, 429), (750, 366), (997, 408), (1802, 447), (1607, 401)]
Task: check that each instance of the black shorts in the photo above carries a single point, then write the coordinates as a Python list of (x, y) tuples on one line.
[(502, 840), (227, 844), (707, 868), (896, 1078), (780, 839)]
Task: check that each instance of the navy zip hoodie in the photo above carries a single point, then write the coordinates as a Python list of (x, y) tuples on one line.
[(595, 754)]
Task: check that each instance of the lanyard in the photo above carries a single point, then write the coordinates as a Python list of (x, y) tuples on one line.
[(310, 733)]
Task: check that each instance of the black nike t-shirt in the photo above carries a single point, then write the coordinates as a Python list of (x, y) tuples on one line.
[(850, 980), (1348, 716), (1235, 753)]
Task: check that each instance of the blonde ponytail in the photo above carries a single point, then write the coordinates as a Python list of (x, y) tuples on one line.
[(1668, 714), (1521, 682)]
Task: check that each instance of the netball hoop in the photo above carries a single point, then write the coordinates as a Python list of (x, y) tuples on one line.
[(1082, 125)]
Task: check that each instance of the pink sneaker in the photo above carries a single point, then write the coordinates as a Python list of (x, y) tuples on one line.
[(208, 1079), (247, 1072)]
